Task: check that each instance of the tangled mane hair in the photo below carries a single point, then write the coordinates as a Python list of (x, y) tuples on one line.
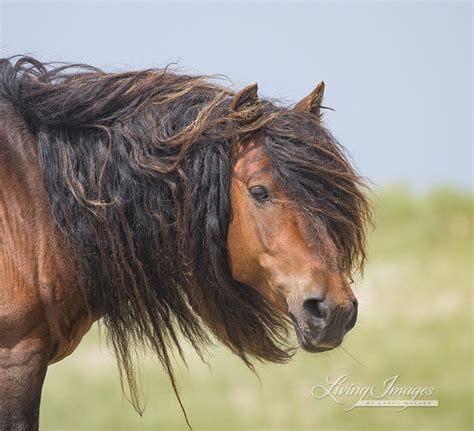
[(137, 167)]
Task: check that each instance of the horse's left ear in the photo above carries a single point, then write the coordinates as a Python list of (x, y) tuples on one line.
[(312, 102), (246, 96)]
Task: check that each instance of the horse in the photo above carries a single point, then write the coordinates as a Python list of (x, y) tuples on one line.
[(170, 207)]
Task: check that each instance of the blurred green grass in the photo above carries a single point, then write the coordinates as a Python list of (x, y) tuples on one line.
[(415, 321)]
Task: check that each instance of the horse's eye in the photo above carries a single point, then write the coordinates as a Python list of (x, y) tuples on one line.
[(259, 193)]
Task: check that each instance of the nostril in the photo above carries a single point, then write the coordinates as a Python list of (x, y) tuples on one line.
[(315, 308), (352, 316)]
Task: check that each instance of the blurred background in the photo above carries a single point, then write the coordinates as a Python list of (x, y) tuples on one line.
[(399, 76)]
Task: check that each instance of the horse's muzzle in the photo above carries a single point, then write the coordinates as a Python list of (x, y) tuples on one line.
[(320, 324)]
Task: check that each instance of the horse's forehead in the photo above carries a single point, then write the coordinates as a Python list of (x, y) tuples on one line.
[(250, 159)]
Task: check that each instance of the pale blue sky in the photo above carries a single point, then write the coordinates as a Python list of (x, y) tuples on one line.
[(398, 74)]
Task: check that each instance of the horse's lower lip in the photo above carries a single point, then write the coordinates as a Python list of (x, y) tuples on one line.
[(310, 347), (303, 341)]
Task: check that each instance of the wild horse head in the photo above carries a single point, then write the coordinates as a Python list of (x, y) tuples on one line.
[(166, 204)]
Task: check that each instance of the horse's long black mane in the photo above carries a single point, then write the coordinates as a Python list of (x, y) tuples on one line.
[(137, 167)]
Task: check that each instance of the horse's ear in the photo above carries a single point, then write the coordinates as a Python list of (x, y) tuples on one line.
[(312, 102), (246, 96)]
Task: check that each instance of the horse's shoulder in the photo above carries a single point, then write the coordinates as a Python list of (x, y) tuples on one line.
[(37, 271)]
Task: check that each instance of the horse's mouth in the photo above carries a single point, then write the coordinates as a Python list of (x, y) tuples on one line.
[(303, 341)]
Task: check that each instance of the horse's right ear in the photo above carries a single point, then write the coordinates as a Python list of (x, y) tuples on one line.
[(246, 96), (312, 102)]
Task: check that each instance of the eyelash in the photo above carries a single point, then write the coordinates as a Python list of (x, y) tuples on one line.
[(259, 193)]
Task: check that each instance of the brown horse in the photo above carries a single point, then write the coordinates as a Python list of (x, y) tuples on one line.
[(165, 204)]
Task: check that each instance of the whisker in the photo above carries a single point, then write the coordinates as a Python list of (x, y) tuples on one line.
[(352, 356)]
